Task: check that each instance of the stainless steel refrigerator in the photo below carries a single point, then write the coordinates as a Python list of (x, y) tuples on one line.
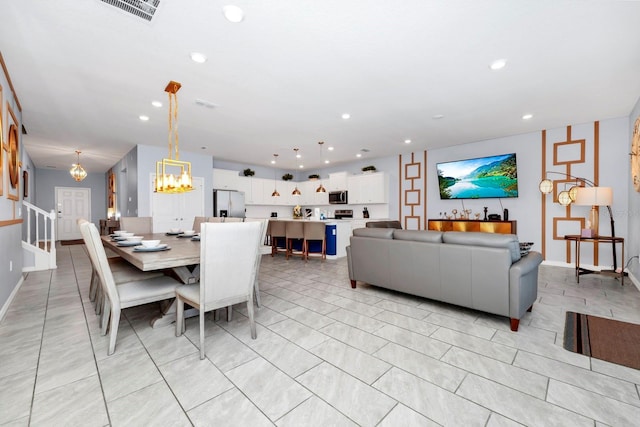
[(228, 203)]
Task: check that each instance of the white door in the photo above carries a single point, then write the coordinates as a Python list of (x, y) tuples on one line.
[(177, 210), (71, 204)]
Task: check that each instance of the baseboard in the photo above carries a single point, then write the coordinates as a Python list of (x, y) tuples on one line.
[(7, 304), (634, 280)]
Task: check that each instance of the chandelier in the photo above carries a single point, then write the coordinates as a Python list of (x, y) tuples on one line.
[(77, 171), (173, 175)]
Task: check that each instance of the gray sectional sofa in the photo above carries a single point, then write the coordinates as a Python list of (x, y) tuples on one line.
[(482, 271)]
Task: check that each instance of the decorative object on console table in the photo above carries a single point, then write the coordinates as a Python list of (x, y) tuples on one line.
[(583, 195), (369, 169)]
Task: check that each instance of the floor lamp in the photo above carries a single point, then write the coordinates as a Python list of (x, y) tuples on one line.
[(588, 195)]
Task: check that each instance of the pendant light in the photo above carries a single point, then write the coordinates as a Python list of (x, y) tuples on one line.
[(173, 175), (321, 188), (77, 171), (295, 191), (275, 185)]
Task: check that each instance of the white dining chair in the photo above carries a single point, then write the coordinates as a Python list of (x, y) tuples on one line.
[(228, 253), (129, 294), (122, 271), (137, 224), (263, 249), (197, 222)]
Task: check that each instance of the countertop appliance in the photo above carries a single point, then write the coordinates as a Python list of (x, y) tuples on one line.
[(228, 203), (338, 197), (343, 213)]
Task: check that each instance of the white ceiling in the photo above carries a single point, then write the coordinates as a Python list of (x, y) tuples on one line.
[(84, 71)]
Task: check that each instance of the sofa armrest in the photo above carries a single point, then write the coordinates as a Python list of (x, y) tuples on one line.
[(523, 284)]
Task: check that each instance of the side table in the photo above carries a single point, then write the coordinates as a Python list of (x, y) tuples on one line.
[(597, 239)]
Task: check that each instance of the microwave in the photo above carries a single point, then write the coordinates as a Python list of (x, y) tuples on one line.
[(338, 198)]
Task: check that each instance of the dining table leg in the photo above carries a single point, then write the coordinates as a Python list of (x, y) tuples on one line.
[(169, 308)]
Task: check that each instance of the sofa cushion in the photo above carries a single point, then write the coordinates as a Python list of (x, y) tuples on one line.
[(380, 233), (418, 235), (491, 240)]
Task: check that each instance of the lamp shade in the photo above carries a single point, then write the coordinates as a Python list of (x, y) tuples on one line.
[(594, 196)]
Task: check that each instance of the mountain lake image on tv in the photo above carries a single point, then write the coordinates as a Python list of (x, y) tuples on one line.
[(479, 178)]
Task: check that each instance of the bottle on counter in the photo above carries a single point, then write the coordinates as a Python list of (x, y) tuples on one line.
[(365, 212)]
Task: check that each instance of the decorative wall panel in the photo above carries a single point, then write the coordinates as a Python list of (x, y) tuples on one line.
[(412, 191)]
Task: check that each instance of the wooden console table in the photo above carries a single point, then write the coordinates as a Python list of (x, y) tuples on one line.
[(502, 227), (598, 239)]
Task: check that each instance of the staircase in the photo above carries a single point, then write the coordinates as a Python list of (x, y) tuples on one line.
[(39, 243)]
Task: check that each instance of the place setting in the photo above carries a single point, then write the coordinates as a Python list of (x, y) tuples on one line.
[(151, 246), (130, 241)]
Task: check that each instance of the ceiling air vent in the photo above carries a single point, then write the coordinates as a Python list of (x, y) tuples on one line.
[(144, 9)]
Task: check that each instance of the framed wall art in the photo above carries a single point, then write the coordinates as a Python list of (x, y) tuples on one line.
[(13, 156), (25, 184), (2, 145)]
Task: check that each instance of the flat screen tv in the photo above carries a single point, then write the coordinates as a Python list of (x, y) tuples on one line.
[(479, 178)]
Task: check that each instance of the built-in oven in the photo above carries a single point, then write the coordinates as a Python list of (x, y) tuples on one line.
[(338, 198)]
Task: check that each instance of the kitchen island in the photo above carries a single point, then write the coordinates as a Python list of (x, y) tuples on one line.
[(338, 232)]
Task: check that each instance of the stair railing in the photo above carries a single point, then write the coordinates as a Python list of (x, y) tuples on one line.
[(36, 217)]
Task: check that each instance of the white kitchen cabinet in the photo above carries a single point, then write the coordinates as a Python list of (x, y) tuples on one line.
[(253, 189), (177, 210), (224, 179), (337, 181), (368, 188), (309, 195)]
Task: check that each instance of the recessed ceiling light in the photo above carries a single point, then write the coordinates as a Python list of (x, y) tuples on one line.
[(407, 141), (233, 13), (156, 104), (527, 116), (198, 57), (144, 118), (498, 64), (346, 116), (330, 148), (438, 117), (301, 166), (358, 155), (327, 162)]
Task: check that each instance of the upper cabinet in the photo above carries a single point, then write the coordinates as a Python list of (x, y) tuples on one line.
[(224, 179), (337, 181), (368, 188)]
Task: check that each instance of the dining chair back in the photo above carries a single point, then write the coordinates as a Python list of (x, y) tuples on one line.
[(127, 294), (137, 224), (315, 231), (294, 231), (228, 253), (197, 221)]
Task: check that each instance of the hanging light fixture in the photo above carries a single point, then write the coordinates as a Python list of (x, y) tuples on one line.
[(295, 191), (275, 185), (321, 188), (173, 175), (77, 171)]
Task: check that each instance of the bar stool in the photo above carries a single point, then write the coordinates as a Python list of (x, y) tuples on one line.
[(313, 232), (294, 230), (278, 234)]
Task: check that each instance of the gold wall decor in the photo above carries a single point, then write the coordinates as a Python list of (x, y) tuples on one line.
[(2, 145), (13, 156)]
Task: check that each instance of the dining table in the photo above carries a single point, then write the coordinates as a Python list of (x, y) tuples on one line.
[(182, 257)]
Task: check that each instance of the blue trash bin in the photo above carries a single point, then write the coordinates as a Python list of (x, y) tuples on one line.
[(331, 237)]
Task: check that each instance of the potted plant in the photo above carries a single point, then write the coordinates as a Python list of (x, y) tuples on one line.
[(287, 177), (314, 176), (369, 169), (248, 172)]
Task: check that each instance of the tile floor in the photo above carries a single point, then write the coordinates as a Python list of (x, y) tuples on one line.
[(326, 355)]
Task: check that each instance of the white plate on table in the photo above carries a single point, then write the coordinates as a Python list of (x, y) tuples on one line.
[(169, 233), (127, 243), (118, 239), (160, 247)]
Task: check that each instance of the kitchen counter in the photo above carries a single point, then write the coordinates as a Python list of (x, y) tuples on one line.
[(341, 229)]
